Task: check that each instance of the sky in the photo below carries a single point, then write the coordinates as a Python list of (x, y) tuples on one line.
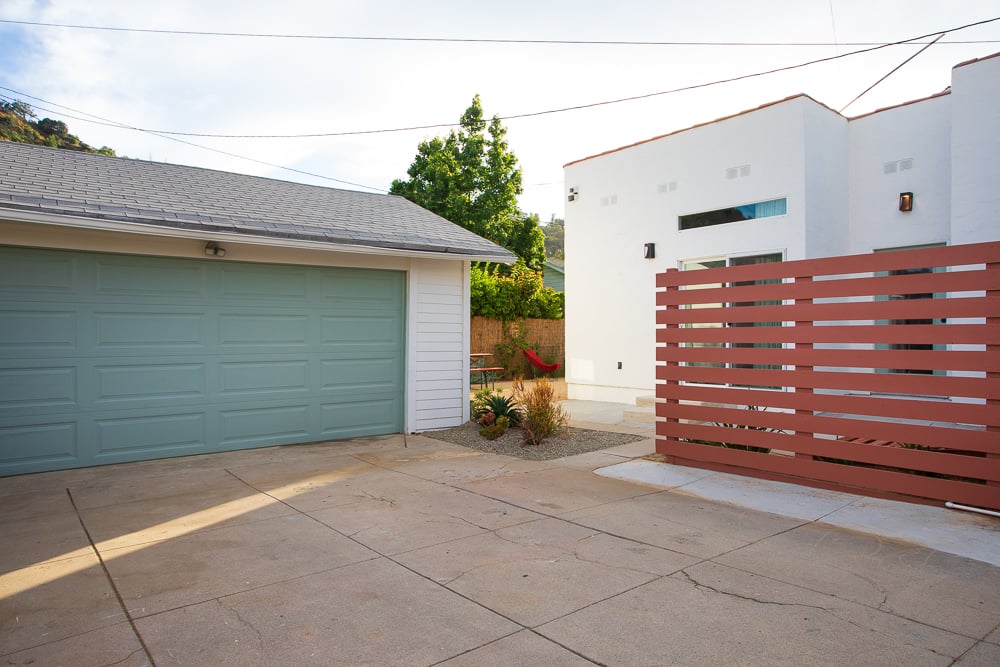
[(260, 86)]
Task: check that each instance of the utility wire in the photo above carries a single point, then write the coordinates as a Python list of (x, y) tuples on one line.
[(123, 126), (442, 40), (532, 114), (891, 72)]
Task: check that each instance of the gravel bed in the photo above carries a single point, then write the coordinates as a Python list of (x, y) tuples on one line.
[(511, 443)]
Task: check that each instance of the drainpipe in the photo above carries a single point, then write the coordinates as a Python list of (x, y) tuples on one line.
[(978, 510)]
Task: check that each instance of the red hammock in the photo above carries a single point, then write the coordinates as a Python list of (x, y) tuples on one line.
[(537, 362)]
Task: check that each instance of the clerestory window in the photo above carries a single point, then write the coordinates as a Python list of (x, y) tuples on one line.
[(764, 209)]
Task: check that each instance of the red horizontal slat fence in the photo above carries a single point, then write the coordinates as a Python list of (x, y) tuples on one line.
[(875, 373)]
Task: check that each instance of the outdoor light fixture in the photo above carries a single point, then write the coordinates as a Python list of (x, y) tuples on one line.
[(649, 251), (906, 201), (213, 250)]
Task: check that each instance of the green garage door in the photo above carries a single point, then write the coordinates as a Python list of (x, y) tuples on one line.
[(112, 358)]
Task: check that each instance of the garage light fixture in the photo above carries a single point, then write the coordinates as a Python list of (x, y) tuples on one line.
[(213, 250)]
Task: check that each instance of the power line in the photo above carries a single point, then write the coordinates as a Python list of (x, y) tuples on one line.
[(890, 73), (436, 126), (445, 40), (124, 126)]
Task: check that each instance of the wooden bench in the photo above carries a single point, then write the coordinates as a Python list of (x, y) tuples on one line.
[(487, 374)]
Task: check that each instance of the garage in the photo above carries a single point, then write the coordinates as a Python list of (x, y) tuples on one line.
[(151, 310), (113, 358)]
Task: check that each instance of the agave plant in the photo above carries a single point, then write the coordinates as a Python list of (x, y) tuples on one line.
[(502, 406)]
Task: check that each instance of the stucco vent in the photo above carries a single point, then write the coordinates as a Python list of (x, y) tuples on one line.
[(741, 171), (897, 165)]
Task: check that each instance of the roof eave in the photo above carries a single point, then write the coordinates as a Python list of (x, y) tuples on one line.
[(149, 229)]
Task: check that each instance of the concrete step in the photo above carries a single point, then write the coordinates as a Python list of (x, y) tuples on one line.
[(640, 415)]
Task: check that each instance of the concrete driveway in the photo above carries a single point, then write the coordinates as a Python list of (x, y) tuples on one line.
[(410, 551)]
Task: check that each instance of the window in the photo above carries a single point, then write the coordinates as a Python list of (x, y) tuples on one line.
[(764, 209), (695, 265)]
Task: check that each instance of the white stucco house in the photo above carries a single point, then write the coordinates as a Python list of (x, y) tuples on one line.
[(788, 180), (151, 310)]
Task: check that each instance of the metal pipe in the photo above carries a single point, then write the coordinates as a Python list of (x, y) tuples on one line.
[(979, 510)]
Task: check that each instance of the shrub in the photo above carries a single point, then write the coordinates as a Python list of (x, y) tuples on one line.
[(518, 294), (494, 429), (500, 406), (541, 415)]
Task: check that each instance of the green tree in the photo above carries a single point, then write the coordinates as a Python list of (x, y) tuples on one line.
[(554, 233), (472, 178)]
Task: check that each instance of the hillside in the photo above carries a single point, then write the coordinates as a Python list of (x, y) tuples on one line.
[(18, 123)]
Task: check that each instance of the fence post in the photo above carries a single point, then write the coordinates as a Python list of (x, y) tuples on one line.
[(803, 372), (992, 269), (669, 406)]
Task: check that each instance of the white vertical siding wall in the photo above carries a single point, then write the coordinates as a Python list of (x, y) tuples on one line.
[(438, 345)]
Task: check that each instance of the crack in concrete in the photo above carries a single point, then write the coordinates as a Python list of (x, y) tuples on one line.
[(248, 624), (699, 584), (809, 606), (126, 658)]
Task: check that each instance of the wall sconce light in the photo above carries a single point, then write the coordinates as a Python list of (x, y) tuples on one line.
[(906, 201), (572, 194), (649, 251), (213, 250)]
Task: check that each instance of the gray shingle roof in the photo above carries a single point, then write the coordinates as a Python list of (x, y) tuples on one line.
[(69, 183)]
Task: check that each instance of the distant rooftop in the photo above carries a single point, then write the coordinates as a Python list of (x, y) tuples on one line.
[(70, 184)]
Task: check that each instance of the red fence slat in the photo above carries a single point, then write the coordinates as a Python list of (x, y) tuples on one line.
[(816, 415)]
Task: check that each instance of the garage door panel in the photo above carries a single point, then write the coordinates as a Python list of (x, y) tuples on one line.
[(145, 357), (356, 289), (156, 382), (359, 418), (150, 436), (26, 276), (26, 331), (39, 446), (150, 277), (254, 378), (33, 387), (260, 331), (260, 427), (241, 281), (369, 330), (351, 374), (143, 331)]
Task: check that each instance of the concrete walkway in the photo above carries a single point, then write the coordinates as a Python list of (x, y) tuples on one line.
[(410, 551)]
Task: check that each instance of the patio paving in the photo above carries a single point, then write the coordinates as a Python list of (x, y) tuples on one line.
[(411, 551)]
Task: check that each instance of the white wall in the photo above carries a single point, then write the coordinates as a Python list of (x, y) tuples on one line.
[(437, 319), (975, 151), (634, 196), (825, 164), (918, 133)]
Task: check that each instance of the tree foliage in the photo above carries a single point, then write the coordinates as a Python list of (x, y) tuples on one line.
[(516, 295), (18, 123), (471, 177), (554, 234)]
